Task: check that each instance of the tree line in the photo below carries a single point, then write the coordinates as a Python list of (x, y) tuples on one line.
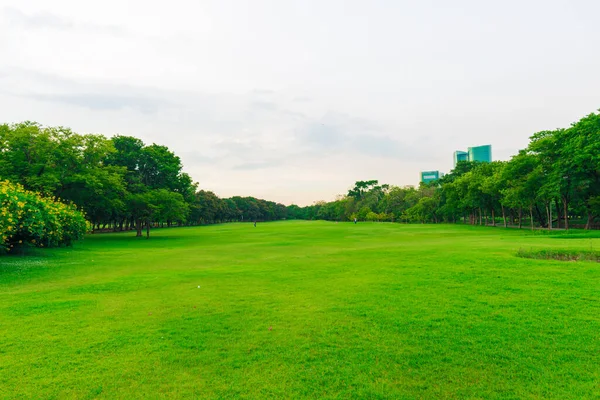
[(553, 183), (120, 183)]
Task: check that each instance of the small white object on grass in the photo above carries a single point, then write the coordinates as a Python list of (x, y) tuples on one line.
[(198, 286)]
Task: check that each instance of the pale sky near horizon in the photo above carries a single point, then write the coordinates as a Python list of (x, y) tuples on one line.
[(295, 100)]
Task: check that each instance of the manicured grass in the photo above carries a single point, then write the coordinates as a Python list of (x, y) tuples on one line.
[(302, 310)]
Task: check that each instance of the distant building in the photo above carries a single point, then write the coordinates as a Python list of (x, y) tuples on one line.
[(477, 153), (430, 176), (481, 153), (460, 156)]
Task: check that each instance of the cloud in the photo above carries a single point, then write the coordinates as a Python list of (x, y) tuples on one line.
[(27, 77), (302, 99), (237, 147), (382, 146), (322, 136), (264, 105), (198, 158), (262, 92), (51, 88), (342, 133), (238, 128), (45, 19), (103, 102), (41, 19), (252, 166)]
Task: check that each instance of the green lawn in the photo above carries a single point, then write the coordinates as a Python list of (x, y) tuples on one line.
[(302, 310)]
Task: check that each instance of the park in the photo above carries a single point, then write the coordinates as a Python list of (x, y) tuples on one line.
[(299, 200), (303, 309)]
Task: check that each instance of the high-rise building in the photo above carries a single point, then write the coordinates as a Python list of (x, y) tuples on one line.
[(430, 176), (460, 156), (477, 153), (481, 153)]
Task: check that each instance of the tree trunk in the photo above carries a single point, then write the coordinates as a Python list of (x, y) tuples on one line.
[(138, 228), (493, 217), (549, 208), (531, 215), (147, 229), (503, 214), (541, 218), (480, 221), (566, 212), (556, 203), (520, 217), (588, 224)]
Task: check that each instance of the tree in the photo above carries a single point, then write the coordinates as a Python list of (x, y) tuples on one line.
[(521, 174), (557, 170), (581, 147), (168, 206), (363, 212), (360, 188)]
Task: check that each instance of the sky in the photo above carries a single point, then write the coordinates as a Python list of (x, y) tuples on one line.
[(295, 100)]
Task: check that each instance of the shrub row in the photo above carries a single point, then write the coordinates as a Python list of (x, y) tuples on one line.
[(560, 254), (27, 218)]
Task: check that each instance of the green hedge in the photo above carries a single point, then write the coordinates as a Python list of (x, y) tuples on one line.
[(26, 218)]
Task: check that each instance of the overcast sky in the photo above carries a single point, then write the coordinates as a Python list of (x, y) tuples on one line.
[(294, 100)]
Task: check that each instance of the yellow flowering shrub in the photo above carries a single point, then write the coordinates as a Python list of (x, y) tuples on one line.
[(26, 218)]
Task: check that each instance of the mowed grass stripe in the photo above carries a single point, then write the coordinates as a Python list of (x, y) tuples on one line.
[(302, 310)]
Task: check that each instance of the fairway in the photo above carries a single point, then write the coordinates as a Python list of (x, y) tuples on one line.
[(302, 310)]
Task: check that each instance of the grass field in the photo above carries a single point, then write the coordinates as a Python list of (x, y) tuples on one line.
[(302, 310)]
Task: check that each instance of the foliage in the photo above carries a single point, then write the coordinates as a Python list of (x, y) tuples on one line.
[(28, 219)]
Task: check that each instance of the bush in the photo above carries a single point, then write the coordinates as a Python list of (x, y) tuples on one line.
[(26, 218), (560, 254)]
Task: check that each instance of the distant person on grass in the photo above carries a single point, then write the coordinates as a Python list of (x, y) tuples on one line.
[(255, 224), (355, 220)]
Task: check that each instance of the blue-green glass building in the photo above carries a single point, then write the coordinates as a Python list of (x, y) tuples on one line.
[(481, 153), (477, 153), (460, 156), (430, 176)]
